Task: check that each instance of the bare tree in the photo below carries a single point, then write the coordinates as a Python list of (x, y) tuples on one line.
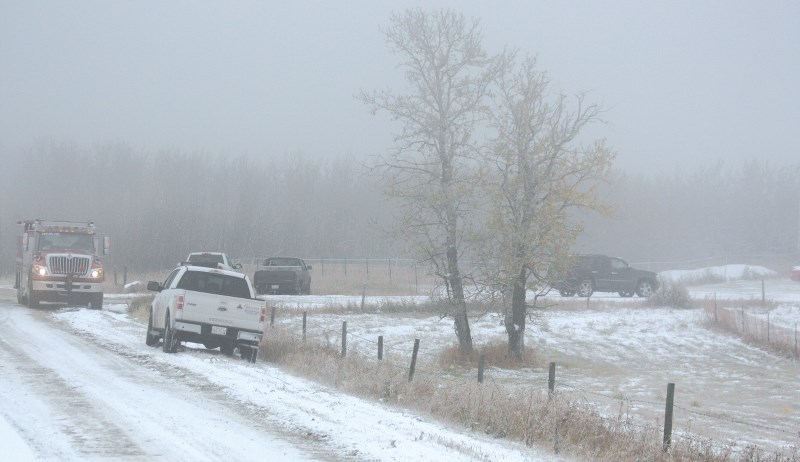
[(538, 171), (431, 170)]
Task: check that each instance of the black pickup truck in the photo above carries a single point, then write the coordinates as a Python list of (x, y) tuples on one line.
[(283, 275), (600, 273)]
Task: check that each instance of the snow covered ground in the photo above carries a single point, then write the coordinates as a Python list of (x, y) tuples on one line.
[(613, 352)]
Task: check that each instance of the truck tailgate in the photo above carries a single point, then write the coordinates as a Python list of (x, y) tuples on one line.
[(221, 310)]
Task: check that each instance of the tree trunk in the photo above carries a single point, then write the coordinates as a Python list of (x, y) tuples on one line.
[(515, 318), (461, 320)]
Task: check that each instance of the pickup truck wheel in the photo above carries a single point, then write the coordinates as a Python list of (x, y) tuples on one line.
[(150, 339), (585, 288), (626, 293), (644, 288), (248, 354), (168, 346)]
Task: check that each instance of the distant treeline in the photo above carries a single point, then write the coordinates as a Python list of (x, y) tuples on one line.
[(159, 206)]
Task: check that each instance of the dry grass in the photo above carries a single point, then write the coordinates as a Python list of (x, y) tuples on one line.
[(521, 413), (495, 355), (139, 308)]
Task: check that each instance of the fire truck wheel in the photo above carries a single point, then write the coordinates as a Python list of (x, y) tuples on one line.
[(96, 301), (33, 299)]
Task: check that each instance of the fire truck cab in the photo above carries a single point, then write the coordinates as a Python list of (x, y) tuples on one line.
[(60, 261)]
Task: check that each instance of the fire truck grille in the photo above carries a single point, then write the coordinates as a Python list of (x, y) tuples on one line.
[(61, 264)]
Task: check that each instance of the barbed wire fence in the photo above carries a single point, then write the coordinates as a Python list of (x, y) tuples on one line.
[(754, 327), (402, 356)]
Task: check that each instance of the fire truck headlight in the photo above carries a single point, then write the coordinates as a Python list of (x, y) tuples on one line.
[(97, 272), (40, 270)]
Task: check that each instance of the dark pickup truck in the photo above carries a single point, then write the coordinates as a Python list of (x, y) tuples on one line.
[(283, 275), (600, 273)]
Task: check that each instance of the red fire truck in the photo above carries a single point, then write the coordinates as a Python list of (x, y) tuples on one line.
[(60, 261)]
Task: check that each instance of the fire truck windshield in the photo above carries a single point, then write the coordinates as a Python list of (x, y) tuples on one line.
[(66, 241)]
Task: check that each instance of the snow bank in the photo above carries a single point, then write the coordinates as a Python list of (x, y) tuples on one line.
[(718, 273)]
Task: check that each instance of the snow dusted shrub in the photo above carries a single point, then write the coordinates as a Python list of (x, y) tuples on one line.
[(672, 294)]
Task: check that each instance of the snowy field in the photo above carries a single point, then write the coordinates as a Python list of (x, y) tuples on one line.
[(612, 352)]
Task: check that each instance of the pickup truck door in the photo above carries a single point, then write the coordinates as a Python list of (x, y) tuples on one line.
[(161, 300)]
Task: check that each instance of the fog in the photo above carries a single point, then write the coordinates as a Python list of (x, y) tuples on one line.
[(689, 88), (682, 82)]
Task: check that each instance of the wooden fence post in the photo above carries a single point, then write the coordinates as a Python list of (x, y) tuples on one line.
[(668, 416), (551, 379), (304, 325), (480, 368), (380, 347), (716, 319), (742, 319), (363, 296), (413, 360), (272, 317), (344, 339)]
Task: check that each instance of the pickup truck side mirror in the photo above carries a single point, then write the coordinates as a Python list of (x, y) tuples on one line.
[(308, 267), (154, 286), (237, 266)]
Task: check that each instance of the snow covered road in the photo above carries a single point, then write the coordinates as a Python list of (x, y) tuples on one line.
[(71, 399), (81, 385)]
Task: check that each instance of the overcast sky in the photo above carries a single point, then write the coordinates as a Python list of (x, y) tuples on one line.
[(683, 82)]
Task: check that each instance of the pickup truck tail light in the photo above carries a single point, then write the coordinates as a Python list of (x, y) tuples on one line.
[(179, 302), (263, 318)]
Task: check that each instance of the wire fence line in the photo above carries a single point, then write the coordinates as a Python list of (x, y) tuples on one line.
[(754, 328), (360, 344)]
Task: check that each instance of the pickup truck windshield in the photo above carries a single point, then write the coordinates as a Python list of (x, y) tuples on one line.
[(202, 258), (213, 283)]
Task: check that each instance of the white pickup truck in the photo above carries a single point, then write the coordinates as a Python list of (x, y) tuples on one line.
[(215, 307), (217, 260)]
